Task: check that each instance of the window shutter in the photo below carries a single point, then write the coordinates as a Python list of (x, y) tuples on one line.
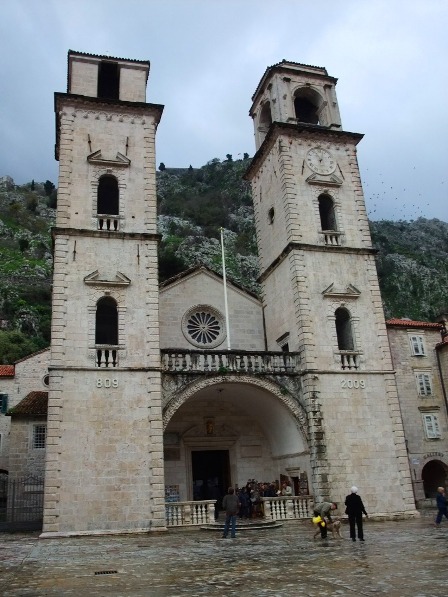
[(424, 384), (432, 426), (417, 345), (3, 403)]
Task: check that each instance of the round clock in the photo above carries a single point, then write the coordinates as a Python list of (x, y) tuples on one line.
[(320, 161)]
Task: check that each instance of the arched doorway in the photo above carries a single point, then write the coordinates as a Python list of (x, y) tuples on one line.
[(434, 474), (227, 432)]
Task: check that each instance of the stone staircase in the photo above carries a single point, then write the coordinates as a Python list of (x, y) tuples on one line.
[(242, 526)]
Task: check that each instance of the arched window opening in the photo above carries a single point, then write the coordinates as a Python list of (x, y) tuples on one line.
[(108, 196), (106, 323), (344, 330), (109, 80), (306, 105), (265, 119), (326, 212)]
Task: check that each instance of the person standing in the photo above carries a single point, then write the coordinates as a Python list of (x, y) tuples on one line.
[(231, 505), (355, 509), (442, 506), (323, 510)]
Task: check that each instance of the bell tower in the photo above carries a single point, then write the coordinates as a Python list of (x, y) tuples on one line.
[(104, 466), (320, 288)]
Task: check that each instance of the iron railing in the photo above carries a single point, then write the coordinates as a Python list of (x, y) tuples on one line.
[(21, 503)]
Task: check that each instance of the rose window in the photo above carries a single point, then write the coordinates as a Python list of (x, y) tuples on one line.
[(203, 327)]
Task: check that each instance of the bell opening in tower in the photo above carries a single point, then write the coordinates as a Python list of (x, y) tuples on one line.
[(109, 80)]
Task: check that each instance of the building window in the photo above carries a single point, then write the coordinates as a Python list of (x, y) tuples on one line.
[(326, 212), (265, 118), (109, 80), (432, 428), (107, 202), (424, 384), (39, 436), (3, 403), (106, 322), (271, 215), (417, 346), (203, 327), (344, 329), (306, 105)]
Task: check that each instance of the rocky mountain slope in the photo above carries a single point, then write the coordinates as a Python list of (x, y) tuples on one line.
[(193, 205)]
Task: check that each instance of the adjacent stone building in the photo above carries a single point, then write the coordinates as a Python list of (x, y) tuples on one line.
[(419, 359), (173, 392)]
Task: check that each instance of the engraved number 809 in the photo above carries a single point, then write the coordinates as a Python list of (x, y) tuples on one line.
[(107, 383)]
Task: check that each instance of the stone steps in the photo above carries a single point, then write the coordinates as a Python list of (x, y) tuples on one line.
[(244, 525)]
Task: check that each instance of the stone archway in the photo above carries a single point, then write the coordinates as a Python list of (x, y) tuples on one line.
[(434, 474), (260, 425)]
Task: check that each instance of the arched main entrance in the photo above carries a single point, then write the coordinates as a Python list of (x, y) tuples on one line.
[(225, 431)]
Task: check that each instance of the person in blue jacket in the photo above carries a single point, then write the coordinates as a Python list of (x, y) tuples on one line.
[(442, 506)]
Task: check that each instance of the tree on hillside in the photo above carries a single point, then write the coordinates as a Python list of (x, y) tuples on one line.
[(162, 167), (48, 187)]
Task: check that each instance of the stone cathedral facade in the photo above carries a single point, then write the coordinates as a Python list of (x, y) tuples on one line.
[(146, 402)]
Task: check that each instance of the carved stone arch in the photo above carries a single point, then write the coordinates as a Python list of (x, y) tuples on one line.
[(315, 96), (188, 391)]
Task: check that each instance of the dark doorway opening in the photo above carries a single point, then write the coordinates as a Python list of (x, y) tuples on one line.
[(434, 475), (211, 474)]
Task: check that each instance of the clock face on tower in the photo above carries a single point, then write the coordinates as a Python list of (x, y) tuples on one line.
[(320, 161)]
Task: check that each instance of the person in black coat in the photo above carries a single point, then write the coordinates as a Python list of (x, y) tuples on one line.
[(355, 509)]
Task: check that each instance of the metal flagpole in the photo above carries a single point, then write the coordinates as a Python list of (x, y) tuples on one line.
[(225, 289)]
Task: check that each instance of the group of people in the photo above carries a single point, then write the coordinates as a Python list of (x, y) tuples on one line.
[(251, 505), (247, 503)]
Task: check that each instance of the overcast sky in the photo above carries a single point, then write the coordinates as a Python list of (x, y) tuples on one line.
[(207, 57)]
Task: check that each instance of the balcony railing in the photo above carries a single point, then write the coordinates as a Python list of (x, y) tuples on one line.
[(109, 223), (349, 359), (106, 356), (229, 361), (331, 237)]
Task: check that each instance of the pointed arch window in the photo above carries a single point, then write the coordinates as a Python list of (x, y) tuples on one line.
[(108, 203)]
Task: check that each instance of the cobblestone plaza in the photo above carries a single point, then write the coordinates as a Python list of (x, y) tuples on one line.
[(398, 559)]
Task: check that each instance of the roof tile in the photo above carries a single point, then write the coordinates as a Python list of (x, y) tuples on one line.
[(34, 404)]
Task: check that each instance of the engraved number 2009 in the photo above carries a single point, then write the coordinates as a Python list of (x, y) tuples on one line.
[(106, 383), (353, 383)]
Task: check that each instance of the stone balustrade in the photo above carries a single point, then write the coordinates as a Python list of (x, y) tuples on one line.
[(287, 508), (349, 359), (107, 222), (229, 361), (331, 237), (184, 514)]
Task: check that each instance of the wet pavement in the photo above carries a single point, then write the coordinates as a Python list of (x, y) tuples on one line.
[(397, 559)]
